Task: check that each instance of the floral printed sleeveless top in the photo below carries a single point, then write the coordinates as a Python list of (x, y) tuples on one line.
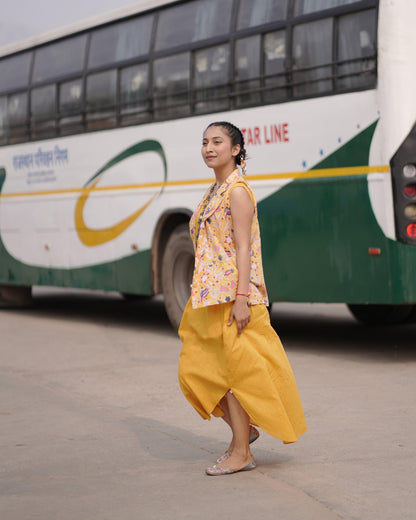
[(215, 276)]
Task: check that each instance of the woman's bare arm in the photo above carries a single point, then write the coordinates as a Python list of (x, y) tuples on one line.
[(242, 213)]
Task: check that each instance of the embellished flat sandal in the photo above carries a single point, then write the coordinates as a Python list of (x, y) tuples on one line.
[(254, 434), (226, 456), (216, 470)]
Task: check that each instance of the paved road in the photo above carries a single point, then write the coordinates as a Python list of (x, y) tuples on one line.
[(94, 426)]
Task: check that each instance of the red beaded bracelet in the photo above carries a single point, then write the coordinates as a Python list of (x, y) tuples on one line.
[(241, 294)]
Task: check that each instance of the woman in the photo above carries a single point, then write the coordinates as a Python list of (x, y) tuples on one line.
[(232, 364)]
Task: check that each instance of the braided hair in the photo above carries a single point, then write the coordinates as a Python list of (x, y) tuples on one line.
[(237, 137)]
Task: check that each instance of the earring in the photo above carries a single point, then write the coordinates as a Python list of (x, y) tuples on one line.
[(243, 165)]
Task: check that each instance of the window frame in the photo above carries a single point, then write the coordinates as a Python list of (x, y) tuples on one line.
[(340, 62), (65, 73), (143, 113), (121, 61), (233, 93), (223, 100), (156, 98), (46, 126), (30, 55), (103, 115), (69, 119), (177, 47), (15, 134)]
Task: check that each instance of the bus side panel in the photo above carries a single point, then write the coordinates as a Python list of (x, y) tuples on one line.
[(318, 233), (131, 274), (315, 240)]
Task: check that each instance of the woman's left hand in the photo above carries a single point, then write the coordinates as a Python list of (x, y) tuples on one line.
[(240, 313)]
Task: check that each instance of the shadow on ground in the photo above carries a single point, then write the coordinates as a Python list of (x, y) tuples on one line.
[(101, 308), (164, 442), (326, 329), (331, 330)]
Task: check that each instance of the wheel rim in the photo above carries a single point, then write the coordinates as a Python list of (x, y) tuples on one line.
[(182, 277)]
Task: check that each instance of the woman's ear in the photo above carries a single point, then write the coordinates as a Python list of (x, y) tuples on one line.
[(235, 150)]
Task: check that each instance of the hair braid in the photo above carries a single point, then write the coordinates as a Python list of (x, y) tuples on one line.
[(237, 138)]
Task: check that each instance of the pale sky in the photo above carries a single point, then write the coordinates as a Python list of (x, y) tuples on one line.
[(21, 19)]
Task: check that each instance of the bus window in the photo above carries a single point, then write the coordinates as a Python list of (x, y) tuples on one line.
[(211, 78), (311, 6), (247, 70), (101, 99), (121, 41), (171, 86), (357, 41), (312, 50), (43, 112), (70, 107), (192, 22), (134, 93), (61, 58), (14, 72), (17, 117), (252, 13), (274, 66), (3, 119)]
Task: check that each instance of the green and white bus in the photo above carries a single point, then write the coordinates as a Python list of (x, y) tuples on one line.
[(100, 133)]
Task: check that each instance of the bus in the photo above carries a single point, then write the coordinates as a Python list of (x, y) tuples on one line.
[(100, 132)]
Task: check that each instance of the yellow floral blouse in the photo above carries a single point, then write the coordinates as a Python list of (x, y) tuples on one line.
[(216, 276)]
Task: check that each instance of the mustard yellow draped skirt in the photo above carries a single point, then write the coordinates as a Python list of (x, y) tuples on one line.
[(214, 359)]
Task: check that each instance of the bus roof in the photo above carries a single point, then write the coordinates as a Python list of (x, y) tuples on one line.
[(83, 25)]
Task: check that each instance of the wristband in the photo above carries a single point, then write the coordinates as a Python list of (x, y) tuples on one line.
[(241, 294)]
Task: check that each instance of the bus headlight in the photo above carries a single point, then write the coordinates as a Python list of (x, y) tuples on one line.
[(409, 170)]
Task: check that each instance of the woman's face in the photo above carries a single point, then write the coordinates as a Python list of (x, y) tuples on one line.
[(217, 149)]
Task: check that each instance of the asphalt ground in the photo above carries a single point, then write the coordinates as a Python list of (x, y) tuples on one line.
[(93, 424)]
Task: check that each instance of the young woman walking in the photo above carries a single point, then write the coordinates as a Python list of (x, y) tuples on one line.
[(232, 364)]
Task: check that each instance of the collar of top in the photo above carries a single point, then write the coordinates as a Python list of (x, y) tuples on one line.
[(216, 199)]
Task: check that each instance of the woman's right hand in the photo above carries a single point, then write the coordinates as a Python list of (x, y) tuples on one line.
[(240, 312)]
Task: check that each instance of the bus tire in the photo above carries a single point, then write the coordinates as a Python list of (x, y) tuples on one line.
[(379, 314), (177, 271), (15, 296), (412, 316)]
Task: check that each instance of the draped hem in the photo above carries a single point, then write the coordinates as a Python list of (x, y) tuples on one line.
[(215, 359)]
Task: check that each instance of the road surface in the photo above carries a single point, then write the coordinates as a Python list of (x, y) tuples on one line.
[(94, 426)]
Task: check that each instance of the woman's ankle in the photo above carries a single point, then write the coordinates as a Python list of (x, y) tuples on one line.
[(241, 452)]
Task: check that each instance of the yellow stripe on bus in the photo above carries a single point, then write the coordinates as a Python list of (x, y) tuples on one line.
[(309, 174)]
